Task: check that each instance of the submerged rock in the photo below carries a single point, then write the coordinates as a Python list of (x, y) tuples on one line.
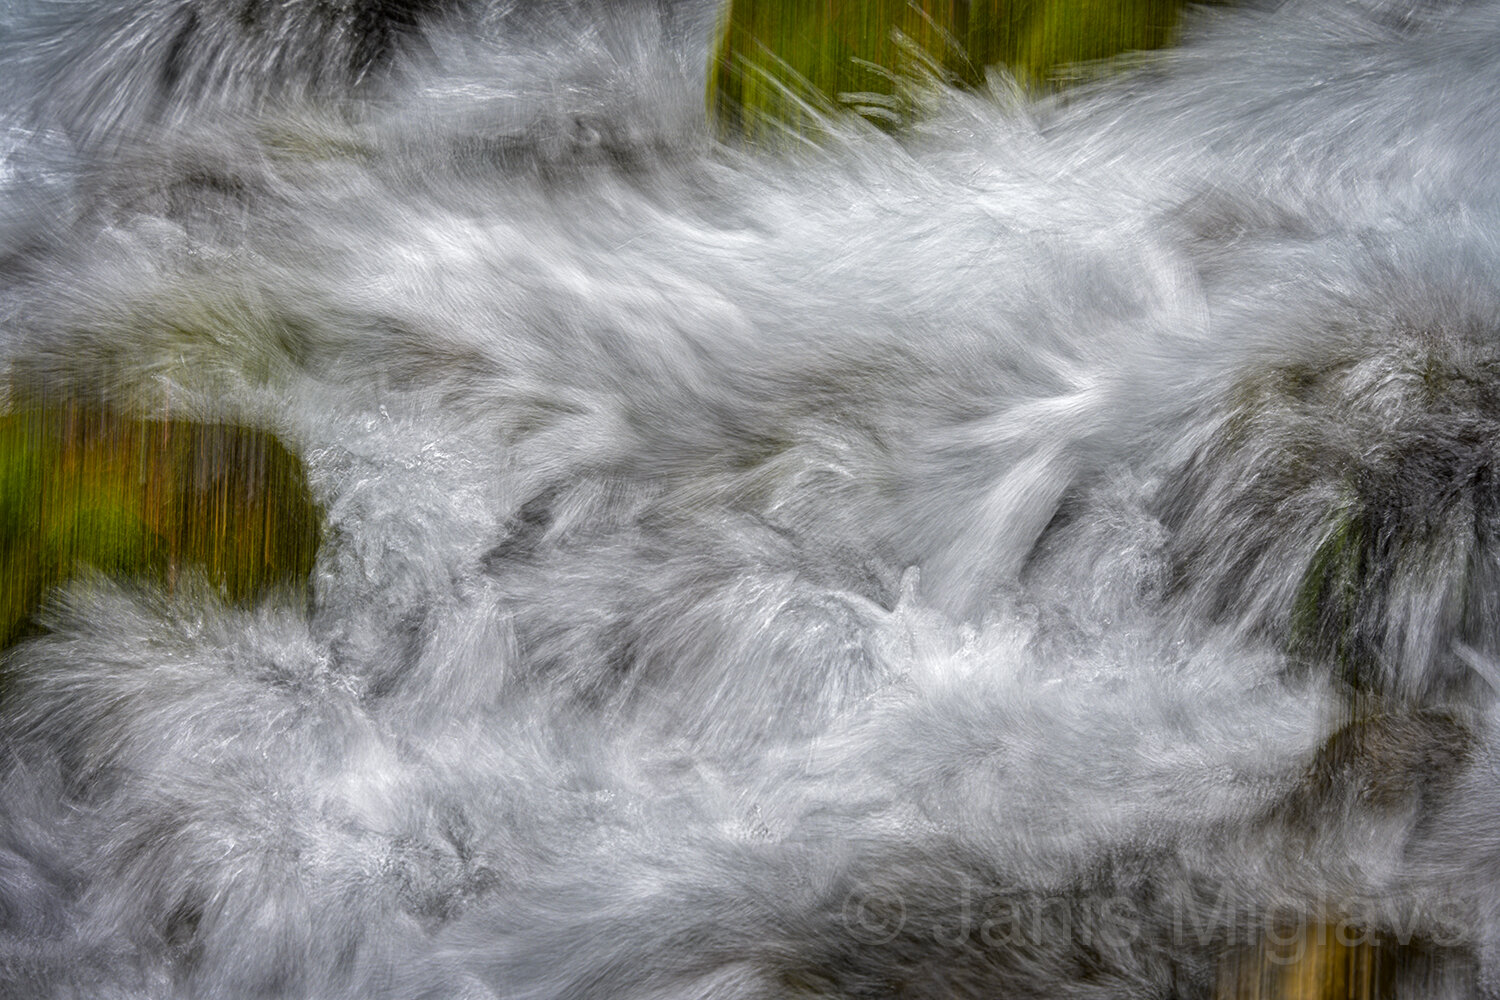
[(1350, 511)]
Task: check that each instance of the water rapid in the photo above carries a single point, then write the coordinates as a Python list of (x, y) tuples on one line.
[(1041, 552)]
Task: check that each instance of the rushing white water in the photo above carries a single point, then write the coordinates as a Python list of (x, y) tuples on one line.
[(928, 566)]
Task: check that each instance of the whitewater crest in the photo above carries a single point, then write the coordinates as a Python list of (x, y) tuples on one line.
[(1052, 550)]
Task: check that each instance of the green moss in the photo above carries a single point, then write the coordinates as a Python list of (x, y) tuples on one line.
[(85, 487), (777, 66)]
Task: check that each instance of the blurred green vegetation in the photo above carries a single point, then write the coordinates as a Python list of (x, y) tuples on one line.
[(81, 485), (777, 66)]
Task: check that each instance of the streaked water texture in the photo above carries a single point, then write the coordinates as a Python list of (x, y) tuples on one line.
[(1048, 551)]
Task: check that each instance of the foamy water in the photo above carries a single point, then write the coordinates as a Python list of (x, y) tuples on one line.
[(927, 566)]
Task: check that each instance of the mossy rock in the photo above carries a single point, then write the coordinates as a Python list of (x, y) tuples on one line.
[(1349, 510), (779, 66), (83, 486), (1337, 581)]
